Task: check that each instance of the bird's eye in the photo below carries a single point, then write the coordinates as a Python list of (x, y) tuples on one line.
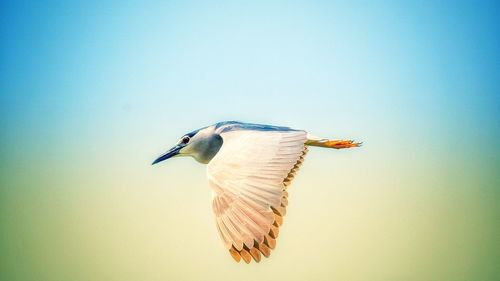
[(185, 139)]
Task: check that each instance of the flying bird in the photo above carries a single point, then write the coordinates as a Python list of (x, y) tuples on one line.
[(249, 167)]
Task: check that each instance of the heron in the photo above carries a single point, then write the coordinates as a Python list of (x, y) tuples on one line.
[(249, 168)]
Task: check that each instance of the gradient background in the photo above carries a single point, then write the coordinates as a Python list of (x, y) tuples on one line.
[(92, 92)]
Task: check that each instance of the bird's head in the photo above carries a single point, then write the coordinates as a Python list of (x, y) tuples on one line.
[(201, 144)]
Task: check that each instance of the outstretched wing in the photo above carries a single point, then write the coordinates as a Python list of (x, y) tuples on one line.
[(249, 176)]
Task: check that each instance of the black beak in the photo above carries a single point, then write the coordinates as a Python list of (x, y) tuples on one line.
[(171, 153)]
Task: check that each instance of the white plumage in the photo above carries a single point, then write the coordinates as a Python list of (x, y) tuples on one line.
[(247, 177)]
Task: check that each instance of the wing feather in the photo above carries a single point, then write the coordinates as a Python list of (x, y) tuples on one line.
[(249, 176)]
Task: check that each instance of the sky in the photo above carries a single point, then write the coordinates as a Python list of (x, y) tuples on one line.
[(93, 91)]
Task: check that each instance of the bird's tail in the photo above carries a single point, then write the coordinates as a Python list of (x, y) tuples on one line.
[(337, 144)]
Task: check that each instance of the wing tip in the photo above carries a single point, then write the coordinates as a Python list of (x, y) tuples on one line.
[(255, 252)]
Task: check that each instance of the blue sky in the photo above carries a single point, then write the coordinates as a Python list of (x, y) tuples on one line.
[(229, 60)]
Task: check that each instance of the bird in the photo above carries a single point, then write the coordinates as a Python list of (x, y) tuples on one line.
[(249, 169)]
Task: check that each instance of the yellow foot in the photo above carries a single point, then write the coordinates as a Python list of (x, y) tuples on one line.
[(338, 144)]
